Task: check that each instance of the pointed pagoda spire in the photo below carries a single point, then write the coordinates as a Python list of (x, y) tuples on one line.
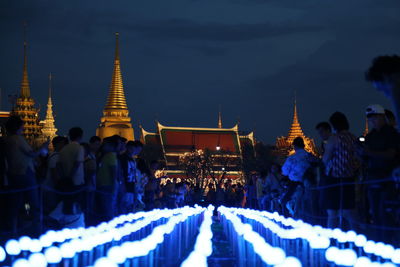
[(49, 102), (219, 118), (116, 97), (295, 129), (25, 89), (116, 118), (49, 120)]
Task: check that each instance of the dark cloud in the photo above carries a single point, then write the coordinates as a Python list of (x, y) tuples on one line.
[(191, 30)]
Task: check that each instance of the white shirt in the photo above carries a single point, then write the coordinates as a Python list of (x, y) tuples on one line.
[(296, 165)]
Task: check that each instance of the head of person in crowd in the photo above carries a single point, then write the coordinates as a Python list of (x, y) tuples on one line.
[(121, 143), (14, 125), (75, 134), (390, 118), (324, 130), (110, 144), (275, 168), (376, 116), (94, 144), (137, 147), (339, 122), (130, 149), (59, 142), (298, 144), (384, 74)]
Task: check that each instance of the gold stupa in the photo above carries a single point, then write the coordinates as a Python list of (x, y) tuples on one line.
[(116, 118)]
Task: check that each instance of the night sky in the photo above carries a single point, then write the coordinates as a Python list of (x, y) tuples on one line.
[(180, 59)]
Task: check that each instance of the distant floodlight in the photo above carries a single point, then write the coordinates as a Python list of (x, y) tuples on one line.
[(218, 148)]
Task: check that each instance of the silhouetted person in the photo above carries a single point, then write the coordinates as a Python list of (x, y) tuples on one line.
[(384, 74), (324, 130), (71, 171), (295, 168), (382, 145), (341, 166), (107, 180), (52, 176), (21, 173)]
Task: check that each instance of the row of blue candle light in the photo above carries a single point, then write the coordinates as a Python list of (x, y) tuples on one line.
[(257, 238)]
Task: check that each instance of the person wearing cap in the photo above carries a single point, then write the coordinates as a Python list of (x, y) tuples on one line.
[(382, 144), (384, 74)]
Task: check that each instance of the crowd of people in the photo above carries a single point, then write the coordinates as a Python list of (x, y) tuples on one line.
[(355, 182), (81, 184)]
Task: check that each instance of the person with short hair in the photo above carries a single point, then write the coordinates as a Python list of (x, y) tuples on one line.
[(21, 173), (52, 176), (71, 171), (295, 168), (341, 168), (107, 183), (384, 74), (130, 174), (382, 145), (324, 130)]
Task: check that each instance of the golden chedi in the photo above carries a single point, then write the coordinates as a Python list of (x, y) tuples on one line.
[(284, 143), (116, 118)]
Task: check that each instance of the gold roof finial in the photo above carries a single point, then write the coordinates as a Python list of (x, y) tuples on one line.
[(295, 116), (116, 97), (219, 118), (25, 89), (117, 46), (50, 86)]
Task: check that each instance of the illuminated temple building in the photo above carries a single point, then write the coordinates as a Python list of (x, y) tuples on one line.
[(284, 143), (116, 118), (48, 128), (25, 107), (223, 144)]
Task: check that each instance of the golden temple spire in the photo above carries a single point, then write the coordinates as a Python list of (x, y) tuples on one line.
[(116, 97), (25, 90), (116, 118), (219, 118), (49, 128), (49, 100), (295, 129)]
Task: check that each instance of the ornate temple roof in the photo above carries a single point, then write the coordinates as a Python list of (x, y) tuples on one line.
[(175, 142), (183, 139), (116, 97), (25, 106)]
